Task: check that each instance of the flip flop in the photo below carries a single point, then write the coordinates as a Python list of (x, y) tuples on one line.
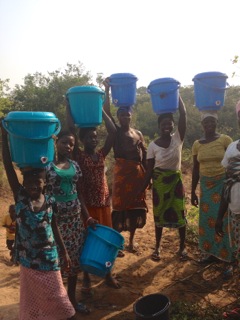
[(183, 255), (156, 256), (82, 308), (233, 314)]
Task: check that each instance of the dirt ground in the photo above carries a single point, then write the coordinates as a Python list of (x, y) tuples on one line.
[(138, 275)]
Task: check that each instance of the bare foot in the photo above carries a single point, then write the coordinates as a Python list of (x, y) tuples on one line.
[(112, 282)]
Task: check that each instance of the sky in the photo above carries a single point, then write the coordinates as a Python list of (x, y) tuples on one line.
[(149, 38)]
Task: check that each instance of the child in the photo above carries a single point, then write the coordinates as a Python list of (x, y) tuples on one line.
[(62, 182), (94, 185), (42, 293), (9, 222)]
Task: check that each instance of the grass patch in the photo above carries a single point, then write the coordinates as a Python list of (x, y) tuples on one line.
[(192, 226)]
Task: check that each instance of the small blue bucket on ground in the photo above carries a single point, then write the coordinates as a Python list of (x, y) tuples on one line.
[(31, 137), (153, 306), (86, 104), (100, 250), (123, 89), (164, 94), (209, 90)]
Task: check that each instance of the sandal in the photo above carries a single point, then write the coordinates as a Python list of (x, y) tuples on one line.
[(228, 273), (156, 256), (183, 255), (233, 314), (132, 249), (82, 308)]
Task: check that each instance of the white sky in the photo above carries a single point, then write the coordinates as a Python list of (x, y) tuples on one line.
[(149, 38)]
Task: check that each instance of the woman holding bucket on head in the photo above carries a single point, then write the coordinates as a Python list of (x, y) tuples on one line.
[(42, 292), (164, 167), (208, 152), (63, 176), (230, 201), (93, 183), (128, 214)]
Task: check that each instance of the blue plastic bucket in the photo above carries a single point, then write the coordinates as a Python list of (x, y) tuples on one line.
[(153, 306), (100, 250), (86, 104), (164, 94), (209, 90), (123, 89), (31, 137)]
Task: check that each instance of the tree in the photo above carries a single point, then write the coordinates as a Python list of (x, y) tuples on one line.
[(5, 101)]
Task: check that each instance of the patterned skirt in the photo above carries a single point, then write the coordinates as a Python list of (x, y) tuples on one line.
[(43, 296), (209, 242), (168, 199)]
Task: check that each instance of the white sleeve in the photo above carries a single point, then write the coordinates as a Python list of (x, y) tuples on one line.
[(150, 151)]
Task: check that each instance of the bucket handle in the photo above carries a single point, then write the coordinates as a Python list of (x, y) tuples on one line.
[(214, 88), (163, 92), (111, 244), (42, 138), (117, 84)]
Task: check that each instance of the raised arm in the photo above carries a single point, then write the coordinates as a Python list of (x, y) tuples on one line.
[(7, 162), (111, 130), (182, 122), (106, 106)]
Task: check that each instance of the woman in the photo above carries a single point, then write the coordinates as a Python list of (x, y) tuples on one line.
[(230, 201), (128, 172), (207, 154), (164, 167), (62, 182)]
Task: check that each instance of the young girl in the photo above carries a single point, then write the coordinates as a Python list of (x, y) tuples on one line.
[(94, 185), (62, 182), (42, 293), (164, 167)]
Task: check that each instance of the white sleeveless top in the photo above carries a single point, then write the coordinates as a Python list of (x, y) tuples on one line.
[(167, 158)]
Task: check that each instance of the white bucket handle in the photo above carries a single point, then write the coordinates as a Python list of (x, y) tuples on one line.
[(162, 92), (207, 85), (37, 138)]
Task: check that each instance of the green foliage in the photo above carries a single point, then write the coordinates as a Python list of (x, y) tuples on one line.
[(192, 226)]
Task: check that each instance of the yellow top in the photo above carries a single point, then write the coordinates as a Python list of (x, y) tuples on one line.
[(210, 155), (10, 232)]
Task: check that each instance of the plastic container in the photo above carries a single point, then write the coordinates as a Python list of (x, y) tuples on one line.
[(154, 306), (164, 94), (86, 104), (209, 90), (123, 89), (31, 137), (100, 250)]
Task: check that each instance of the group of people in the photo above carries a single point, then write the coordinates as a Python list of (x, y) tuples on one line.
[(54, 205)]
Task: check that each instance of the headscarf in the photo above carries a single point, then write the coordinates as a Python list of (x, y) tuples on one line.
[(206, 114)]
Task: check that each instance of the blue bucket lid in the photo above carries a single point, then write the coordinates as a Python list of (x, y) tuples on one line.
[(84, 89), (162, 80), (123, 75), (31, 116), (212, 74)]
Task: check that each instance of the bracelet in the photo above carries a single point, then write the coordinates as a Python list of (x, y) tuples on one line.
[(89, 218)]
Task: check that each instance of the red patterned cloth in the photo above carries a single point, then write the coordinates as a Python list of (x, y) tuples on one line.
[(93, 183), (43, 296)]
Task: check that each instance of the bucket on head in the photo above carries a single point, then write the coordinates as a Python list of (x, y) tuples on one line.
[(86, 104), (31, 137), (100, 250), (164, 94), (123, 89), (153, 306), (209, 90)]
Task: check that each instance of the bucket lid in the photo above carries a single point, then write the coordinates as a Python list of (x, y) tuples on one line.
[(162, 80), (31, 116), (84, 89), (123, 75), (212, 74)]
